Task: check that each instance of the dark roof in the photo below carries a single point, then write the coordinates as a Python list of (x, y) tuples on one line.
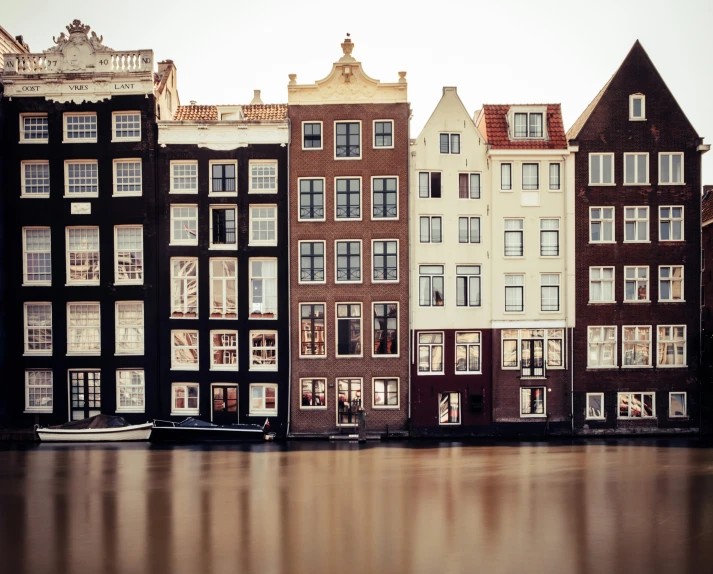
[(255, 112), (496, 128), (707, 204)]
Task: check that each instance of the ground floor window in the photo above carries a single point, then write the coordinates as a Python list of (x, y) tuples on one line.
[(449, 408), (314, 393), (468, 352), (38, 391), (677, 405), (263, 399), (386, 393), (532, 402), (595, 405), (130, 391), (349, 401), (184, 399), (531, 347), (637, 405), (430, 353)]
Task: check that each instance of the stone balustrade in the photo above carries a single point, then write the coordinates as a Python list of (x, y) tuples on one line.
[(98, 62)]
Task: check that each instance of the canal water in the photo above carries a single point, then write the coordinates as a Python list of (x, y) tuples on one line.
[(630, 507)]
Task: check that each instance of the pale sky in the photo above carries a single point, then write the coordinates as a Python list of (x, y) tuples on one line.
[(500, 51)]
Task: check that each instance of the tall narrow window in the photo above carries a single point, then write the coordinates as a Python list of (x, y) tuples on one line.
[(223, 288), (263, 225), (601, 169), (555, 183), (184, 350), (383, 134), (469, 186), (312, 262), (223, 231), (514, 237), (514, 293), (83, 255), (34, 128), (312, 135), (38, 328), (127, 177), (312, 330), (430, 229), (636, 283), (37, 258), (129, 254), (184, 177), (469, 230), (184, 225), (430, 353), (449, 408), (263, 288), (223, 178), (506, 177), (549, 237), (81, 178), (671, 346), (671, 283), (349, 329), (84, 332), (677, 405), (348, 140), (468, 352), (129, 328), (636, 168), (385, 261), (429, 184), (311, 199), (386, 329), (530, 176), (636, 346), (430, 285), (670, 168), (126, 126), (130, 391), (349, 401), (38, 391), (184, 287), (468, 285), (601, 224), (384, 202), (263, 176), (601, 284), (35, 179), (602, 347), (263, 350), (224, 350), (595, 406), (348, 204), (550, 292), (671, 223), (348, 261), (637, 107)]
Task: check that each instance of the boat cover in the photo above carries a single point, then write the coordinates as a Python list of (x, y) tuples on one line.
[(194, 422), (95, 422)]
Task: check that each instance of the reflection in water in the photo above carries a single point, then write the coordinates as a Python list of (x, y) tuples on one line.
[(313, 508)]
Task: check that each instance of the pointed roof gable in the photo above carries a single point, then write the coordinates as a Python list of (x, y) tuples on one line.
[(636, 71), (493, 124), (707, 205), (448, 92)]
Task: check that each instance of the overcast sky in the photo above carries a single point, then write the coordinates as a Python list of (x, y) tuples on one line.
[(500, 51)]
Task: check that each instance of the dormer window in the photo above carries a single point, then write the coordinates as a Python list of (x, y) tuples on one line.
[(637, 107), (528, 125)]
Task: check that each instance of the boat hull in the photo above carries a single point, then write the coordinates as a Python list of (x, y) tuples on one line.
[(118, 434), (202, 434)]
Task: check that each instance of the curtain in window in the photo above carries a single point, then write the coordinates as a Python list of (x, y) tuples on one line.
[(463, 186)]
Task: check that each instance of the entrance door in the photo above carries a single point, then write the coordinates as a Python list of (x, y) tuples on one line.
[(225, 404), (85, 394), (532, 358)]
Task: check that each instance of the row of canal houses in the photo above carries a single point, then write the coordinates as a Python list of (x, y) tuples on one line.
[(313, 265)]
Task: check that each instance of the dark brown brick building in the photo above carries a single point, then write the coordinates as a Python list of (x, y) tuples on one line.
[(349, 252), (637, 214)]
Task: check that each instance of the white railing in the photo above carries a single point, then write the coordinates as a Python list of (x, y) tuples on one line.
[(51, 63)]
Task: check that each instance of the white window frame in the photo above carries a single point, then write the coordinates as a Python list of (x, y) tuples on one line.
[(337, 281), (504, 189), (183, 191), (601, 280), (602, 342), (172, 239), (460, 408), (302, 281), (670, 155), (117, 280), (183, 313), (636, 341), (264, 295), (321, 136), (132, 389), (222, 246), (671, 219), (587, 414), (175, 411), (373, 133), (323, 407), (467, 272), (467, 346), (556, 334), (223, 347), (70, 350), (299, 197), (637, 222), (348, 318), (371, 211), (116, 192), (23, 179), (258, 162), (138, 327), (536, 164), (559, 177), (685, 405), (550, 230), (430, 346), (325, 337), (26, 252), (224, 279), (521, 230), (601, 170), (636, 156), (262, 411), (24, 140), (373, 254), (114, 137), (398, 331), (671, 279), (629, 417), (632, 117), (65, 131), (69, 162), (46, 328), (70, 281), (334, 134), (177, 366), (252, 348), (541, 415), (374, 404), (469, 229), (527, 112), (49, 395), (255, 206), (425, 273), (602, 220), (636, 279), (671, 341), (213, 162)]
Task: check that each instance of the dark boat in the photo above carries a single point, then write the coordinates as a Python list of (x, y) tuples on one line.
[(196, 430)]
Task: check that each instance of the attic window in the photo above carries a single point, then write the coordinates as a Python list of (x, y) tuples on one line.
[(637, 107), (230, 116), (528, 125)]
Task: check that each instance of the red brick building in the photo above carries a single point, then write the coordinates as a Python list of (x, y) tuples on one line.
[(349, 251), (637, 214)]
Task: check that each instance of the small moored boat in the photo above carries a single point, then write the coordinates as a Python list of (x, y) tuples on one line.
[(99, 428), (196, 430)]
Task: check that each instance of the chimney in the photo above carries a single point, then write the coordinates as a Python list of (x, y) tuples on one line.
[(193, 102), (256, 98)]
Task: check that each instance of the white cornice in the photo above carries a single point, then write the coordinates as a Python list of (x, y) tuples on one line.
[(222, 135), (528, 152), (529, 324)]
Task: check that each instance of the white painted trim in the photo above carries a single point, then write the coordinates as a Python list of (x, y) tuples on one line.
[(255, 162), (114, 138), (212, 193), (192, 367), (326, 335), (224, 280), (361, 198), (398, 330), (120, 409), (175, 162), (27, 392), (648, 170), (373, 135), (601, 170), (637, 96), (67, 162), (25, 282), (221, 246), (336, 328), (586, 408), (71, 353), (636, 341), (22, 139), (65, 139), (185, 411), (71, 282), (326, 394), (636, 280), (299, 265), (117, 352), (116, 258), (23, 185), (254, 367), (544, 402), (26, 327), (172, 239), (251, 260), (385, 407), (685, 405), (455, 350), (321, 137), (671, 219), (324, 200), (398, 258), (671, 279), (224, 366), (613, 224), (614, 343), (116, 161), (653, 404), (336, 262), (251, 241), (371, 211), (430, 346), (683, 171), (361, 140), (262, 411)]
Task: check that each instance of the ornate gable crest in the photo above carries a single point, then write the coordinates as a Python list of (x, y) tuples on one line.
[(78, 46)]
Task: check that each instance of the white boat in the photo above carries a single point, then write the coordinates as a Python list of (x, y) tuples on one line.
[(101, 428)]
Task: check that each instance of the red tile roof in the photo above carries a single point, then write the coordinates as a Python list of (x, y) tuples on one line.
[(260, 112), (496, 128), (184, 113), (707, 204)]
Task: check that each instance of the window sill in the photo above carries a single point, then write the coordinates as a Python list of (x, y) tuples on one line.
[(222, 194), (139, 194), (141, 354), (37, 284), (602, 184), (37, 354), (672, 301), (346, 219), (386, 407), (191, 368), (382, 147), (83, 284), (533, 416), (671, 417), (347, 158), (183, 316), (654, 418), (262, 192), (595, 418), (635, 184), (637, 302), (634, 242), (671, 366), (313, 356), (550, 257), (448, 424), (311, 220), (348, 356), (224, 316), (674, 183), (266, 244), (121, 140), (385, 282), (637, 119), (430, 373), (81, 195), (182, 192), (630, 367), (602, 242), (35, 196), (385, 356), (272, 413), (320, 408), (37, 411), (230, 368), (80, 354), (183, 244), (128, 410), (513, 257), (461, 373), (80, 141), (602, 368), (384, 218), (672, 241), (272, 368), (122, 283), (34, 142), (601, 302), (186, 412), (231, 247), (312, 148), (348, 282)]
